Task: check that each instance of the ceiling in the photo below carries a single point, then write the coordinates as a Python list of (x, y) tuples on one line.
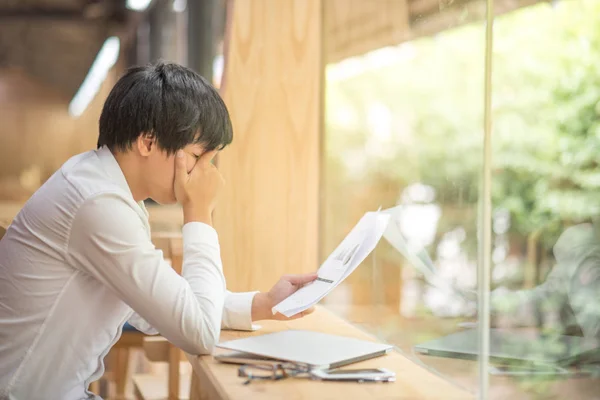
[(56, 41)]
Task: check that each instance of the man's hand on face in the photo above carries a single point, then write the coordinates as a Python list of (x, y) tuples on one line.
[(287, 285), (197, 190)]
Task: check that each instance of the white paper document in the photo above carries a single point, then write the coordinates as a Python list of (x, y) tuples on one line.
[(355, 247)]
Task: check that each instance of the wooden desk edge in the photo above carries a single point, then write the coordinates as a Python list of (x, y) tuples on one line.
[(211, 387), (201, 374)]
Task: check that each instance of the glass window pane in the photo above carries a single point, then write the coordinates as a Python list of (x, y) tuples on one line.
[(404, 131), (546, 255)]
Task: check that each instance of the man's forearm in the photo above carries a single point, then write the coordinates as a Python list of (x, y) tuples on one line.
[(261, 307), (197, 214)]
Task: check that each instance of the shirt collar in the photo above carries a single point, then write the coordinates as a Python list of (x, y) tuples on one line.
[(115, 173), (112, 168)]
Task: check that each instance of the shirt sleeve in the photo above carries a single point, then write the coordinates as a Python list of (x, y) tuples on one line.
[(109, 241), (237, 313), (141, 324)]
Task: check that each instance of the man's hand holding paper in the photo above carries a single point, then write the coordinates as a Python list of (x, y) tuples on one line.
[(359, 243)]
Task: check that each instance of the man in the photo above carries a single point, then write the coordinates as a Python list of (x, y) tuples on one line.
[(77, 261)]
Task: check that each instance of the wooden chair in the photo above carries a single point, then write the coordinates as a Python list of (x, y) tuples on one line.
[(118, 358), (158, 349), (152, 386)]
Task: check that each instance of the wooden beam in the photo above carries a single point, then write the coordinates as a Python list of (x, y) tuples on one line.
[(89, 12), (464, 13), (354, 27), (267, 217), (426, 7), (49, 14)]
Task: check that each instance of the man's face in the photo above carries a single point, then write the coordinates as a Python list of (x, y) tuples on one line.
[(161, 172)]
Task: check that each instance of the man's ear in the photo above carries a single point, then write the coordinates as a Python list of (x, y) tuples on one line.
[(146, 144)]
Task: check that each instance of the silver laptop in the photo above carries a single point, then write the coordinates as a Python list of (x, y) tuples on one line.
[(313, 349), (512, 346)]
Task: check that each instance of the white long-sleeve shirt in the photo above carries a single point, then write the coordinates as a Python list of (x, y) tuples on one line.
[(77, 263)]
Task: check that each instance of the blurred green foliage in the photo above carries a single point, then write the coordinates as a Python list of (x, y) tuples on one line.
[(546, 134), (546, 105)]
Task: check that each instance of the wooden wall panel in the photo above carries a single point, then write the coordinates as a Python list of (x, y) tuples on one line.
[(267, 218), (37, 135)]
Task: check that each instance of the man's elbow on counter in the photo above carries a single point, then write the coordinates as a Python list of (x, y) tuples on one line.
[(206, 342)]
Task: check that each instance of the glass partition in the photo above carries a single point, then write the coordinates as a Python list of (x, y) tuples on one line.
[(404, 131), (546, 254)]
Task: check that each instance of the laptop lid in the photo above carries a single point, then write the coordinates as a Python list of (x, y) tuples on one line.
[(315, 349), (507, 346)]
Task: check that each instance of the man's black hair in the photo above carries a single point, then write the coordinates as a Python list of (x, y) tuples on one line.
[(169, 102)]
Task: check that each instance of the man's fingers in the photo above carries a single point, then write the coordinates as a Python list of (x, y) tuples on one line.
[(303, 313), (180, 166), (308, 311), (207, 157), (301, 279)]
